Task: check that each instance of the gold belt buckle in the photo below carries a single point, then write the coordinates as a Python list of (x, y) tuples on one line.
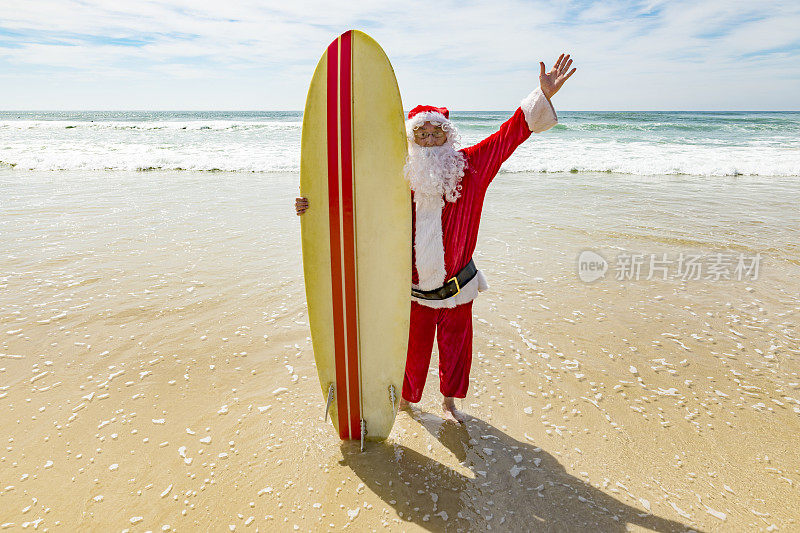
[(454, 278)]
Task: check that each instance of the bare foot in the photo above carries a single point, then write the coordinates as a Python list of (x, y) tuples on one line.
[(405, 405), (450, 411)]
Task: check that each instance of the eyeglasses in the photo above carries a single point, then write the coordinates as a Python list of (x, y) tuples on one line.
[(436, 134)]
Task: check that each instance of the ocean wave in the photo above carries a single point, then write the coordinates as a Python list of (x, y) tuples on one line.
[(549, 157), (221, 164), (677, 127), (642, 158), (51, 125), (637, 143)]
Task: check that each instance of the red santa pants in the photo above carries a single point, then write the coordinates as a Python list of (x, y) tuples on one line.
[(453, 329)]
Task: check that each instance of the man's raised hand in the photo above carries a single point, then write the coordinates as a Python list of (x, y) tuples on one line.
[(551, 82)]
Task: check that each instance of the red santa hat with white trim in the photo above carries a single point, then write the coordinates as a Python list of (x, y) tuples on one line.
[(428, 113)]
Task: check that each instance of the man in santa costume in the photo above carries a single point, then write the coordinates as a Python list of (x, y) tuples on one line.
[(448, 186)]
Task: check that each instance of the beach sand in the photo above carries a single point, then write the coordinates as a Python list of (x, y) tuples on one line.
[(156, 370)]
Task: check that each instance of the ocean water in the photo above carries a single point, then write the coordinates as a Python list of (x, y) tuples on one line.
[(637, 143)]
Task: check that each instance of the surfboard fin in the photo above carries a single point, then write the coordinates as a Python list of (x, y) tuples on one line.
[(331, 389), (363, 432), (393, 398)]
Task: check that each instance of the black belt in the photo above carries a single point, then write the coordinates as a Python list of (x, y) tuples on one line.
[(451, 287)]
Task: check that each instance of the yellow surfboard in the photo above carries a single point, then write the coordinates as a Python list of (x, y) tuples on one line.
[(356, 235)]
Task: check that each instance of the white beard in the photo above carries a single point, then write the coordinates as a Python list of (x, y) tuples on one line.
[(434, 173)]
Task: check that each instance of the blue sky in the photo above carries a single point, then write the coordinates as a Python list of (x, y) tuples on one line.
[(199, 54)]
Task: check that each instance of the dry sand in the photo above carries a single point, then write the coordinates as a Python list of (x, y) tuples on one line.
[(156, 371)]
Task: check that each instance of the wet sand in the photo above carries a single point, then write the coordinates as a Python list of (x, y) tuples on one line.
[(156, 370)]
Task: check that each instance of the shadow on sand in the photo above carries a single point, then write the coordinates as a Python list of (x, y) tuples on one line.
[(504, 485)]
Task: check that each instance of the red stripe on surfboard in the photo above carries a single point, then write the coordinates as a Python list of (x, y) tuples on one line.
[(335, 238), (348, 241)]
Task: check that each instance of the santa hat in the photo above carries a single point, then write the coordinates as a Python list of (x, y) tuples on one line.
[(427, 113)]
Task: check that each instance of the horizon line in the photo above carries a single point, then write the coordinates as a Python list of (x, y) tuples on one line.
[(405, 111)]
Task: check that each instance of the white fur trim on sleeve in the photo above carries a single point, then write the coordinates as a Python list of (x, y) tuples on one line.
[(539, 112)]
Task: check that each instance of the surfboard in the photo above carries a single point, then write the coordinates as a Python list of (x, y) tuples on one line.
[(356, 235)]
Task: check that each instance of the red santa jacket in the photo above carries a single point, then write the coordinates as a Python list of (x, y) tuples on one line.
[(460, 220)]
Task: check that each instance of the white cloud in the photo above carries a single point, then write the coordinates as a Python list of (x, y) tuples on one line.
[(683, 54)]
